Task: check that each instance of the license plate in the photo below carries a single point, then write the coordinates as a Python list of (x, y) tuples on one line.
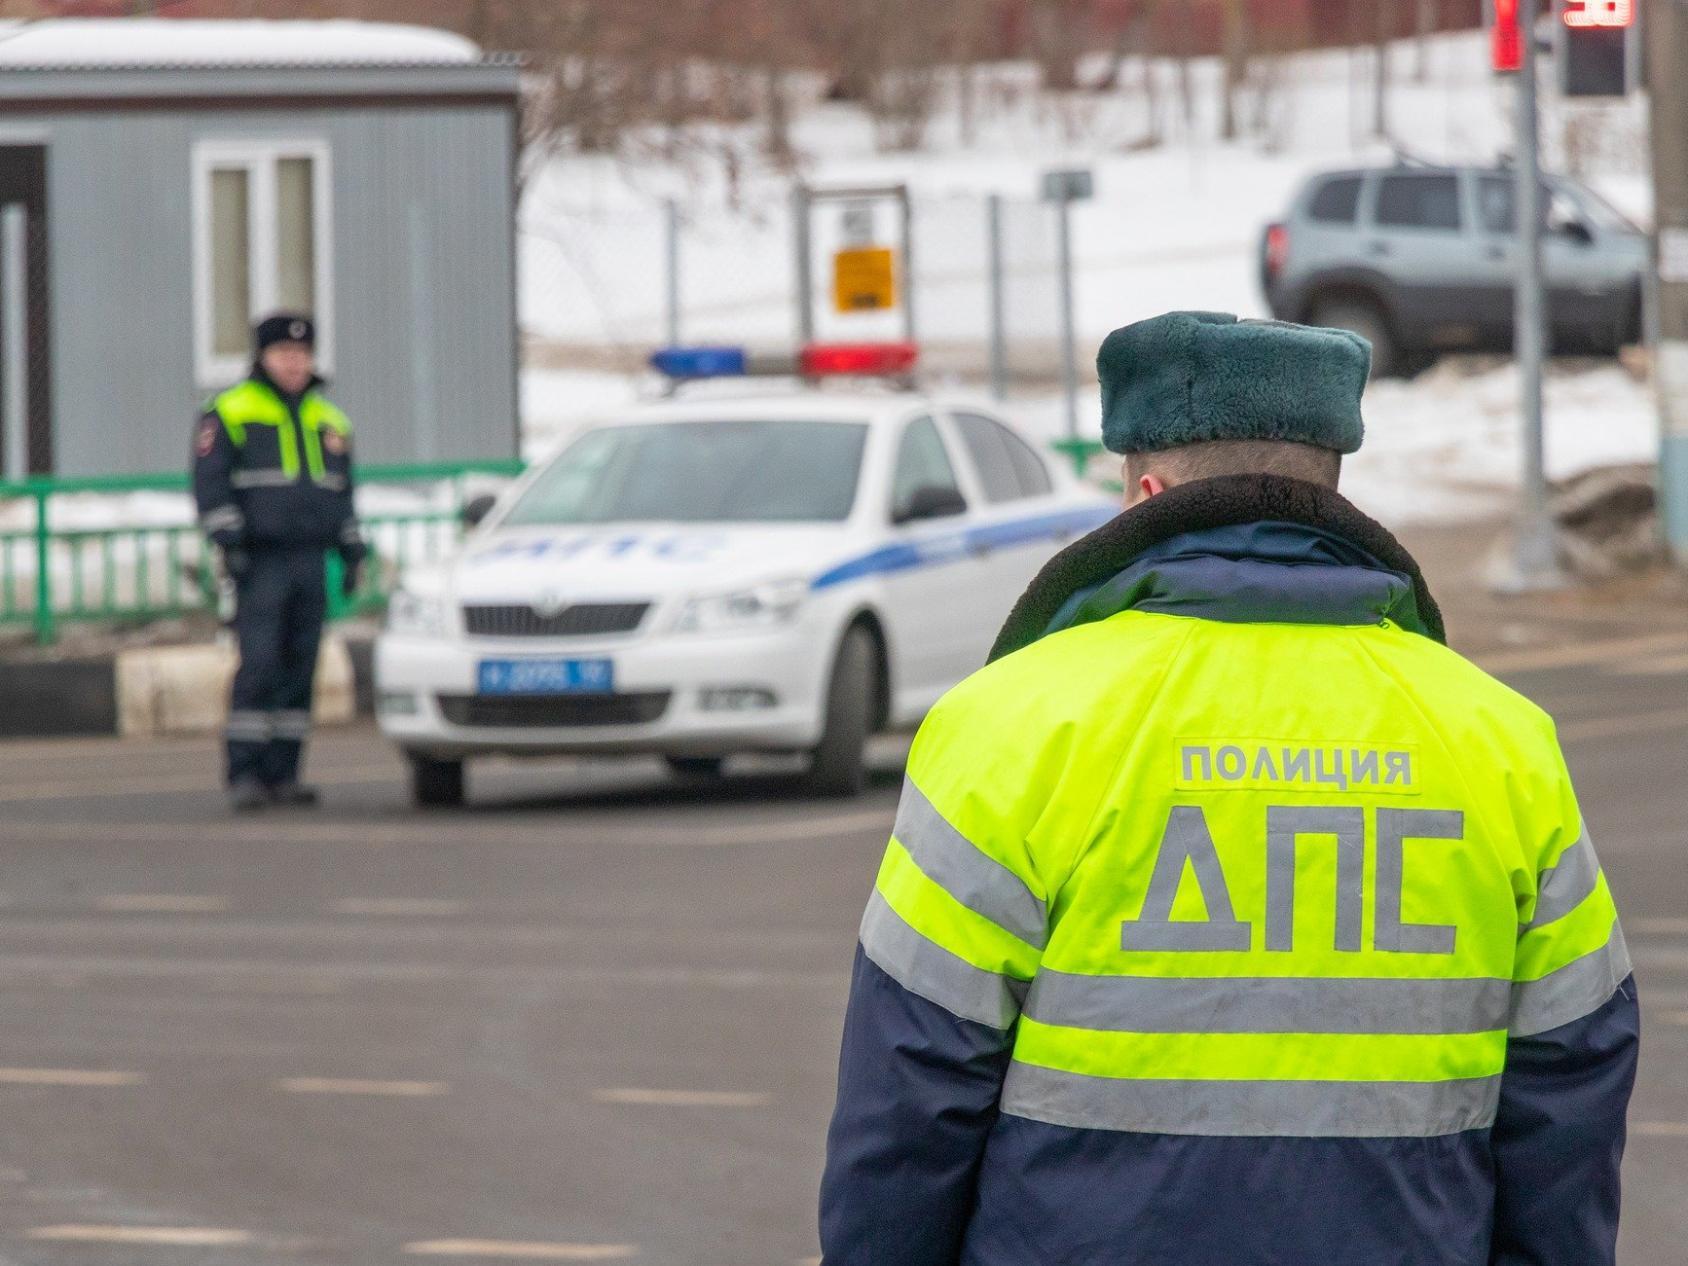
[(545, 676)]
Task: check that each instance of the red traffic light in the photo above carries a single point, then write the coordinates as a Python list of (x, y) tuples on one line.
[(1506, 37)]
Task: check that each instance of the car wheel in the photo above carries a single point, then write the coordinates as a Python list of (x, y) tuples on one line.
[(1365, 318), (436, 784), (839, 763), (696, 768)]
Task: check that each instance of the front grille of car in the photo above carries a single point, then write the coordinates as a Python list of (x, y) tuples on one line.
[(583, 619), (522, 711)]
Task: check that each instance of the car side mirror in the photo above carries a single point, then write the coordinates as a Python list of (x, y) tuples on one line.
[(1573, 228), (477, 508), (930, 501)]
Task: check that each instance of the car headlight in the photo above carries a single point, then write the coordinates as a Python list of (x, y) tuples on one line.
[(759, 607), (415, 614)]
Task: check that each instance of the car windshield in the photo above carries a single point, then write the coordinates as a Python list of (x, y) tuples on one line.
[(1601, 214), (700, 472)]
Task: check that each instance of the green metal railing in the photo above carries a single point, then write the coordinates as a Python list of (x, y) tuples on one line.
[(50, 575)]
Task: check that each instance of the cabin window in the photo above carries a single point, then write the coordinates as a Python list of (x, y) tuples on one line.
[(261, 240)]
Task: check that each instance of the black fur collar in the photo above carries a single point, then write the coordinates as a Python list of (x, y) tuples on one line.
[(1207, 503)]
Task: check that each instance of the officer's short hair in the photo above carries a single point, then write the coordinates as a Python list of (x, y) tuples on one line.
[(1189, 462)]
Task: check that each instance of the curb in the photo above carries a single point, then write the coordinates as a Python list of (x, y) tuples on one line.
[(163, 690)]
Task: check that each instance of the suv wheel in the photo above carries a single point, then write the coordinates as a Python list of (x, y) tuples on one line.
[(1365, 318), (434, 783), (839, 763)]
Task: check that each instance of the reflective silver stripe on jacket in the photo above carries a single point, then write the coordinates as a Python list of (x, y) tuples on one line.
[(1300, 1109), (334, 483), (1567, 884), (925, 968), (952, 861), (1576, 989), (223, 519), (1295, 1004), (261, 479)]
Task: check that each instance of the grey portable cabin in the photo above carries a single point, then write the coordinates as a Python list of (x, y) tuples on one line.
[(162, 182)]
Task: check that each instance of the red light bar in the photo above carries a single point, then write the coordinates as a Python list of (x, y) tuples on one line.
[(819, 360), (1582, 15), (1506, 39)]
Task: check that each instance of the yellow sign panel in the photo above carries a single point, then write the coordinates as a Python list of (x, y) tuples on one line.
[(864, 279)]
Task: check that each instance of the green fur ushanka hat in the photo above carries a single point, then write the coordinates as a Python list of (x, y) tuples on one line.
[(1190, 377)]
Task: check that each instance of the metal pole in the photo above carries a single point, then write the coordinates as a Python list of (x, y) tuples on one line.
[(1666, 44), (1535, 558), (14, 340), (907, 203), (1069, 352), (998, 324), (671, 212), (805, 264)]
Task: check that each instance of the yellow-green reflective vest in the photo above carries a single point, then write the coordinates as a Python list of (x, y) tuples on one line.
[(250, 404), (1245, 879)]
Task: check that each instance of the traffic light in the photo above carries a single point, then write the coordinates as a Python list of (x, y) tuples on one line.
[(1506, 38), (1599, 47)]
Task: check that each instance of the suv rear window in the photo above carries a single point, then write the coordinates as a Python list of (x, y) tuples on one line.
[(1419, 202), (1336, 201)]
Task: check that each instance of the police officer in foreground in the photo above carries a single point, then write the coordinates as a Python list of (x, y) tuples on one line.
[(1229, 917), (272, 475)]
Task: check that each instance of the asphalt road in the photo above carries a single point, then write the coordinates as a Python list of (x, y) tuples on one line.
[(592, 1019)]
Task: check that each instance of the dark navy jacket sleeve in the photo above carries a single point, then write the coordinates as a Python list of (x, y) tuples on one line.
[(1559, 1137), (214, 459), (917, 1097)]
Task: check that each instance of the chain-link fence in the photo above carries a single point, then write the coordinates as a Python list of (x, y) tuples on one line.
[(602, 286)]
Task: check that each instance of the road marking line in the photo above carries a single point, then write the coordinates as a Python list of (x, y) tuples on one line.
[(174, 1236), (68, 1077), (360, 1086), (1607, 649), (1635, 723), (181, 782), (161, 903), (1660, 1129), (529, 1250), (1668, 924), (396, 906), (683, 1098), (1648, 667)]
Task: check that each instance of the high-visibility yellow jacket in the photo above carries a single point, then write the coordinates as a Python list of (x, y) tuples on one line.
[(271, 470), (1229, 917)]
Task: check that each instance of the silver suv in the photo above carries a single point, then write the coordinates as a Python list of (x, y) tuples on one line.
[(1422, 260)]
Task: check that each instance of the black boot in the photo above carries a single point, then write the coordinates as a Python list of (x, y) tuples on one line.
[(294, 795), (246, 795)]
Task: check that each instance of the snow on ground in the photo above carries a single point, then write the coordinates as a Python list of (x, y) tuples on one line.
[(1174, 226), (1177, 225)]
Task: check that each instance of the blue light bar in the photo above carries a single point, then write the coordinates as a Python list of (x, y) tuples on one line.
[(699, 362)]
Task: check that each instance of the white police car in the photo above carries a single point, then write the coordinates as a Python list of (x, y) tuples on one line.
[(704, 577)]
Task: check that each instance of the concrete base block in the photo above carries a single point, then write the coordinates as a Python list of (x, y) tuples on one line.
[(185, 689)]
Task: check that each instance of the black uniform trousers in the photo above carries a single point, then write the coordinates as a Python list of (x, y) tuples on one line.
[(280, 603)]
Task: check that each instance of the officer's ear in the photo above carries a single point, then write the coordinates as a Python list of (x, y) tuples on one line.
[(1139, 488)]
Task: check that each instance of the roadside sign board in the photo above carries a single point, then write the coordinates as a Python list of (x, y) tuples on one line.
[(1073, 185), (864, 279)]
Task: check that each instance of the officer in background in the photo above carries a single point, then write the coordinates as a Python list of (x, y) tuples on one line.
[(272, 475), (1229, 917)]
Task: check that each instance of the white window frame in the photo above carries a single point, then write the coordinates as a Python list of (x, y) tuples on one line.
[(259, 158)]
